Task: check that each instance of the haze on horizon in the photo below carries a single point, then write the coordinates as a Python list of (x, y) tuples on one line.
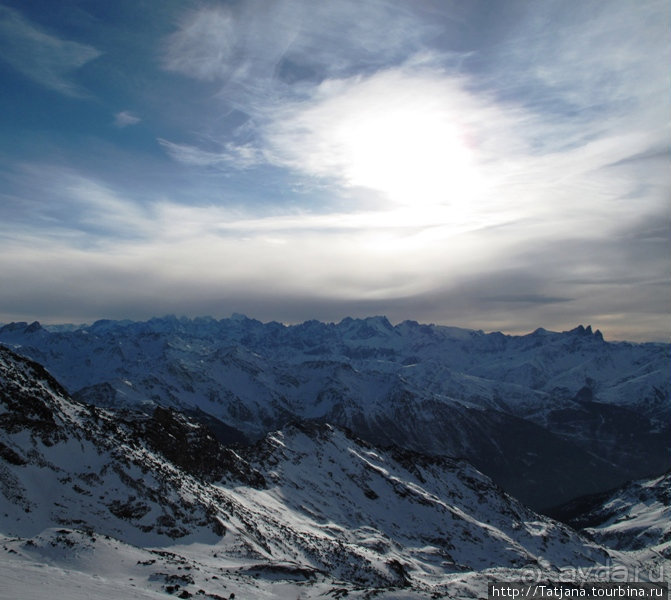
[(496, 166)]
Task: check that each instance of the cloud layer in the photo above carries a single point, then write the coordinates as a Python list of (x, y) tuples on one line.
[(300, 160)]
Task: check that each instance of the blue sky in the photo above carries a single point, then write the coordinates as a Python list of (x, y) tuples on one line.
[(496, 165)]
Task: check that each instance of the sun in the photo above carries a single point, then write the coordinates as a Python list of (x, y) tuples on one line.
[(404, 137), (416, 158)]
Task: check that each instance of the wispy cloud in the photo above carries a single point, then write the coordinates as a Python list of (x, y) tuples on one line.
[(589, 69), (230, 156), (125, 118), (204, 45), (402, 261), (41, 56), (292, 40), (294, 273), (59, 203)]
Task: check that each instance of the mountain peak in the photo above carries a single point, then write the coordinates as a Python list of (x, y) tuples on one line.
[(585, 331), (33, 327)]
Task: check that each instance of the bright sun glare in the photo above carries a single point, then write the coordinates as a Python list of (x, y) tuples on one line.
[(415, 159), (400, 135)]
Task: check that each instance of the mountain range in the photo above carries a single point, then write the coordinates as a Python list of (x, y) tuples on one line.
[(139, 501), (548, 416)]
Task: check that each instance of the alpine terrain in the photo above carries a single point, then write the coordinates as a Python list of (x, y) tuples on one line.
[(548, 416), (236, 459)]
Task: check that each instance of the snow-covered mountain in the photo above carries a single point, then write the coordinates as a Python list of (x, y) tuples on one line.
[(549, 416), (633, 517), (107, 503)]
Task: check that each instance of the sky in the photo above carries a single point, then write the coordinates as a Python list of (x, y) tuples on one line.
[(492, 165)]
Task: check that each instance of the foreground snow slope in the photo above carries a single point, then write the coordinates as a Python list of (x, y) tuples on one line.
[(121, 504)]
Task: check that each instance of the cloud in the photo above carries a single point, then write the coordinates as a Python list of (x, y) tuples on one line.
[(401, 123), (121, 258), (254, 44), (412, 134), (419, 137), (63, 204), (46, 59), (187, 266), (587, 66), (231, 156), (353, 158), (203, 46), (125, 118)]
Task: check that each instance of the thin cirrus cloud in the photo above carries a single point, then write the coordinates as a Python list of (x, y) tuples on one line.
[(58, 205), (231, 155), (42, 57), (125, 118), (255, 45)]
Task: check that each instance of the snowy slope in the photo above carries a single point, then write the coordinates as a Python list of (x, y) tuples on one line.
[(68, 464), (99, 503), (431, 515), (549, 415), (633, 517), (119, 503)]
